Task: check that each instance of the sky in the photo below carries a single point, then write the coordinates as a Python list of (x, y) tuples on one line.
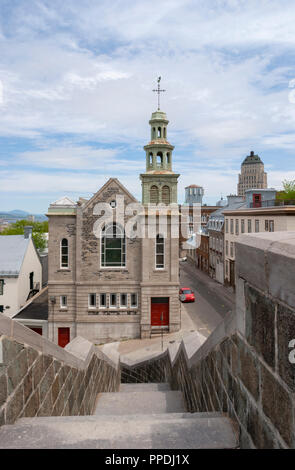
[(76, 81)]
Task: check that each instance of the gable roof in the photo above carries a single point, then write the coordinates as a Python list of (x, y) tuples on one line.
[(64, 201), (105, 186), (12, 251)]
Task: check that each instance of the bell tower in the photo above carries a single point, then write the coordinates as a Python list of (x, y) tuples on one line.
[(159, 182)]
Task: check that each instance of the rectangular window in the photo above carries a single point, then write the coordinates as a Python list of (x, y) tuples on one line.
[(92, 300), (160, 244), (232, 226), (242, 226), (64, 253), (237, 226), (249, 225), (271, 225), (102, 300), (266, 225), (1, 286), (113, 300), (231, 249), (123, 300), (63, 301), (226, 225), (133, 301), (256, 225)]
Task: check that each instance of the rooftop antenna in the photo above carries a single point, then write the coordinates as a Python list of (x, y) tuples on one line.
[(158, 90)]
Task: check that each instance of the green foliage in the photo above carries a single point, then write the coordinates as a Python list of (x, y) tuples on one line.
[(289, 190), (39, 228)]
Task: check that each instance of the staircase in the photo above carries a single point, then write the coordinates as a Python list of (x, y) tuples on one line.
[(139, 416)]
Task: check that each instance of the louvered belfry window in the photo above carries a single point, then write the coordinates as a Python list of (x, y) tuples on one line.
[(154, 195), (166, 195)]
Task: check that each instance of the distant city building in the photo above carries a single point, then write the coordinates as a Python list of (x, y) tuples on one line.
[(260, 212), (215, 229), (20, 271), (252, 174), (194, 194)]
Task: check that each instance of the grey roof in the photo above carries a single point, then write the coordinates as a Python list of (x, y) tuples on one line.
[(36, 309), (12, 252)]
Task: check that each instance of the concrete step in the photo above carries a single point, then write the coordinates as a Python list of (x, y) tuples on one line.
[(139, 403), (136, 432), (101, 418), (145, 387)]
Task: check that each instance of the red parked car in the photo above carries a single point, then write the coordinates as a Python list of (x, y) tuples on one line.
[(186, 295)]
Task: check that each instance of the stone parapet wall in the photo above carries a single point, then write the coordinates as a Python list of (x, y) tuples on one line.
[(243, 368), (38, 378)]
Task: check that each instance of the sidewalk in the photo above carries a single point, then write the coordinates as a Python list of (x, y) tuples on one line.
[(136, 349)]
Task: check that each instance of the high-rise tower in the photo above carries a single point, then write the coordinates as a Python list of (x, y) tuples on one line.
[(159, 182), (252, 174)]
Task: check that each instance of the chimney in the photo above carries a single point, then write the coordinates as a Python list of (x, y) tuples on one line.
[(28, 231)]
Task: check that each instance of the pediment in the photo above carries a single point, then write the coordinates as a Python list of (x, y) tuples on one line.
[(108, 192)]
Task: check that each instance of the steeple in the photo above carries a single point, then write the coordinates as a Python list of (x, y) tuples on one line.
[(159, 182), (158, 150)]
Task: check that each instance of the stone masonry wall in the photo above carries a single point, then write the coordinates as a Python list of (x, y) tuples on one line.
[(243, 368), (37, 381)]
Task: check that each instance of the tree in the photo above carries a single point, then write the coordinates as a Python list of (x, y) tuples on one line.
[(288, 192), (38, 230)]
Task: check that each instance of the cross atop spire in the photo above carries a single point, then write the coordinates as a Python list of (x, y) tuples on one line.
[(158, 90)]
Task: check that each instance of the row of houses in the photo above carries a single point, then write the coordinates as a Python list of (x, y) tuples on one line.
[(258, 211)]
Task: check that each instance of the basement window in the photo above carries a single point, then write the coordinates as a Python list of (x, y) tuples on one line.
[(113, 300), (91, 300), (102, 300), (123, 300), (133, 301)]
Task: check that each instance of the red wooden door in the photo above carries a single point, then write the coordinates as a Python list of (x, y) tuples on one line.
[(160, 308), (63, 337), (37, 330)]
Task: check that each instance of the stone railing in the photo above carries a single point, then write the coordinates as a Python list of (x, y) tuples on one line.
[(244, 367), (38, 378)]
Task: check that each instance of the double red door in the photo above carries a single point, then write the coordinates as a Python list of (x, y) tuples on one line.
[(63, 337), (160, 311)]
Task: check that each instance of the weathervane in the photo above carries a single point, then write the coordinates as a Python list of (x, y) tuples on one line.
[(158, 90)]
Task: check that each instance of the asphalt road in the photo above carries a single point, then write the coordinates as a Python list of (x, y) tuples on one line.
[(213, 300)]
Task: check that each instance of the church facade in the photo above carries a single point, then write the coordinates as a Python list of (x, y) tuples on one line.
[(113, 263)]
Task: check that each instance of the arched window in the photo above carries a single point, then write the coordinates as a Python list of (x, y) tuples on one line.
[(113, 246), (168, 158), (154, 195), (164, 131), (154, 132), (151, 158), (166, 195), (159, 159), (159, 132), (64, 253), (160, 248)]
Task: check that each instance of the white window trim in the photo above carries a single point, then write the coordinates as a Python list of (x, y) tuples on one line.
[(136, 294), (123, 306), (100, 247), (164, 258), (105, 305), (60, 255), (113, 306), (64, 307), (92, 306)]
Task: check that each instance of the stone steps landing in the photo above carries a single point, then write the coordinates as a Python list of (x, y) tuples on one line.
[(141, 402), (144, 387), (159, 431)]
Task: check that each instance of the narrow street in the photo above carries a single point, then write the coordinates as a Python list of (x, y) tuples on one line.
[(213, 300)]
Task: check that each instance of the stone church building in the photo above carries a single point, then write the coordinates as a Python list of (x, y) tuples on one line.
[(103, 283)]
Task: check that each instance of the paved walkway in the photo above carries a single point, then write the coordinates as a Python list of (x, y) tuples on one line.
[(213, 302)]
